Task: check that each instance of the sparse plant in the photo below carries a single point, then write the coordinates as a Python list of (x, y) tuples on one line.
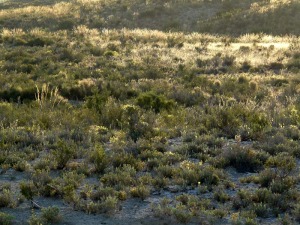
[(47, 97)]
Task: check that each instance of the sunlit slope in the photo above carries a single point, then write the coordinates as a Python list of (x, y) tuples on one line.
[(276, 17)]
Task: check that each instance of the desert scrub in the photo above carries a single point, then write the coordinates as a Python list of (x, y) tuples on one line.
[(221, 196), (103, 192), (261, 209), (6, 198), (152, 101), (41, 179), (122, 158), (120, 178), (296, 212), (195, 173), (163, 208), (107, 205), (99, 159), (181, 213), (28, 189), (50, 215), (63, 152), (243, 159), (140, 191), (283, 163), (242, 199), (66, 185), (6, 219)]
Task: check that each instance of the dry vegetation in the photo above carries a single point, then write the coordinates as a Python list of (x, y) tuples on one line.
[(97, 109)]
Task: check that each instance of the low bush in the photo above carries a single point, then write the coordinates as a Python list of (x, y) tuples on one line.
[(6, 219), (63, 152), (6, 198), (140, 191), (152, 101), (50, 215), (243, 159), (99, 159)]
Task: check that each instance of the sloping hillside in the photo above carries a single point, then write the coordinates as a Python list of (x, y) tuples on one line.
[(149, 112), (232, 17)]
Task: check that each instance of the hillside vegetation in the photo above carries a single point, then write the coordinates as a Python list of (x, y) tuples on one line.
[(150, 111), (226, 17)]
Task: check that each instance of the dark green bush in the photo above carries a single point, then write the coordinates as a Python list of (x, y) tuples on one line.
[(152, 101), (99, 158), (242, 159), (6, 219), (50, 215), (63, 152)]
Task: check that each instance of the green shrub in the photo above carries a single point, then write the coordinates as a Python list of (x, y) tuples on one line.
[(221, 196), (262, 195), (282, 185), (109, 204), (34, 219), (210, 175), (120, 178), (51, 215), (242, 200), (140, 191), (152, 101), (266, 176), (261, 209), (181, 214), (99, 159), (123, 158), (284, 163), (242, 159), (28, 189), (286, 220), (6, 219), (296, 212), (102, 193), (6, 198), (63, 152)]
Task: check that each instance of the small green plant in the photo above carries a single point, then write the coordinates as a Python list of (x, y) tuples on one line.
[(152, 101), (181, 214), (6, 198), (242, 159), (261, 209), (50, 215), (34, 219), (221, 196), (63, 152), (99, 158), (6, 219), (286, 220), (140, 191), (109, 204), (28, 189)]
